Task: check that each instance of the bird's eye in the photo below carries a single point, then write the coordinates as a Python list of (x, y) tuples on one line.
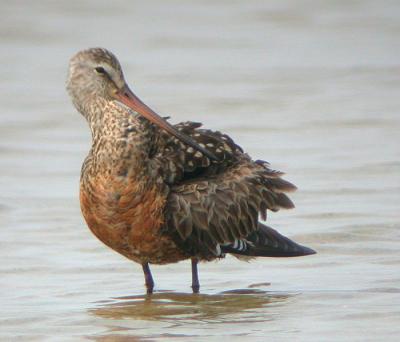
[(100, 70)]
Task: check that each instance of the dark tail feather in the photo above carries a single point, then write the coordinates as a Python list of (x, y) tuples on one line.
[(267, 242)]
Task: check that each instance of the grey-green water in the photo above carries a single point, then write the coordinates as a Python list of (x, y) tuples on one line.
[(311, 86)]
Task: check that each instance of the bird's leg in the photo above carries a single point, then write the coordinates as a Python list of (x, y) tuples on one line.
[(148, 278), (195, 276)]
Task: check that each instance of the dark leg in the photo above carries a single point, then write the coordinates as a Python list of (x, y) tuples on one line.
[(195, 276), (148, 278)]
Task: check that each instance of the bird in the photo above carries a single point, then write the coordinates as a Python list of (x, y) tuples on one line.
[(159, 193)]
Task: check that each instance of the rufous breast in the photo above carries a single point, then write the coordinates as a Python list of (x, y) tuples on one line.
[(128, 217)]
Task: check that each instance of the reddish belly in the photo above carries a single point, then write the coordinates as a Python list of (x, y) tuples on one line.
[(130, 224)]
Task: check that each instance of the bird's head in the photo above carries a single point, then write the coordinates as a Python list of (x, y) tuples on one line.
[(96, 73)]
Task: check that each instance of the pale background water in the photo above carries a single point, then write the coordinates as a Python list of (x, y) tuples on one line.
[(311, 86)]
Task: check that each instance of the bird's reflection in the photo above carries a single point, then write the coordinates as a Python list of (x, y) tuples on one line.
[(230, 305)]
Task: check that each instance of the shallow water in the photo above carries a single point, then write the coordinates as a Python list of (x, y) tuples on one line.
[(312, 87)]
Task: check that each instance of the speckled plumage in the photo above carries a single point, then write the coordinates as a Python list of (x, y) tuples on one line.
[(154, 198)]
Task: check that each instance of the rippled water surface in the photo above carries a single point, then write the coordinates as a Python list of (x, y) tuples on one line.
[(311, 86)]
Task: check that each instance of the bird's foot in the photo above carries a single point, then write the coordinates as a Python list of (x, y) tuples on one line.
[(196, 288), (149, 289)]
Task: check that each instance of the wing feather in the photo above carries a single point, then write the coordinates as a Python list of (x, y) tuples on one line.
[(214, 203), (225, 206)]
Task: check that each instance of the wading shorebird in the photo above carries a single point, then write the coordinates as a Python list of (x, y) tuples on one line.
[(159, 193)]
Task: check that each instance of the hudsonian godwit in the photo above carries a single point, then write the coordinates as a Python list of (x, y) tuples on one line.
[(159, 193)]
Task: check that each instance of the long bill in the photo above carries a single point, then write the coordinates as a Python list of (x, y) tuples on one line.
[(129, 99)]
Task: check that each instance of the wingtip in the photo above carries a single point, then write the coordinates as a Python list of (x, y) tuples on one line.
[(308, 251), (300, 251)]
